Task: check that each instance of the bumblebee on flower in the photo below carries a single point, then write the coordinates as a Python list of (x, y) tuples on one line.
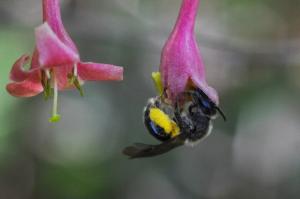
[(186, 104)]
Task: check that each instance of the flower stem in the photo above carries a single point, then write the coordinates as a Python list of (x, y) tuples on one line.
[(55, 117)]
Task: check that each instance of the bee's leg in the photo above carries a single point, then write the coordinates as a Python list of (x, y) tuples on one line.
[(191, 108), (193, 105), (195, 102), (184, 123), (196, 97), (178, 114)]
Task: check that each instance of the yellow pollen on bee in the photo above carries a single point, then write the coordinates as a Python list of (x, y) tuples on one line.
[(175, 129), (163, 120)]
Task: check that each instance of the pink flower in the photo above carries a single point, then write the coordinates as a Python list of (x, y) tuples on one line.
[(55, 63), (181, 63)]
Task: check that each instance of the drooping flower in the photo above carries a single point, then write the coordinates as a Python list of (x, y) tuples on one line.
[(183, 111), (55, 63), (181, 63)]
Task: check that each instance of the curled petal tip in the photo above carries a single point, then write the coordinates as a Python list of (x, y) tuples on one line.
[(212, 94), (17, 72), (26, 88), (52, 51), (119, 73), (209, 91)]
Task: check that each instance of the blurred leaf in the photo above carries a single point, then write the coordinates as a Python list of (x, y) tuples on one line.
[(13, 44), (74, 182)]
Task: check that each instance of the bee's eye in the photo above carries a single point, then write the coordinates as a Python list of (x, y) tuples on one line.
[(208, 107), (206, 104)]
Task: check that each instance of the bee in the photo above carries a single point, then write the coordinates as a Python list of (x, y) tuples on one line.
[(185, 123)]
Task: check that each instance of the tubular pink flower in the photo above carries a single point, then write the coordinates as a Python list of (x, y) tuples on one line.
[(55, 63), (181, 63)]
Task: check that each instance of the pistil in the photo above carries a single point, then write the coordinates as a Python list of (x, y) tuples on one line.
[(55, 117)]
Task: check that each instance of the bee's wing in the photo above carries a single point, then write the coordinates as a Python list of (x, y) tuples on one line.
[(139, 150)]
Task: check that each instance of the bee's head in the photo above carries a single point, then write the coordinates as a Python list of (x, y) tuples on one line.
[(207, 106)]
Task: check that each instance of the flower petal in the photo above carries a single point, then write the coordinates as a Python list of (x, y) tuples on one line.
[(26, 88), (51, 15), (95, 71), (209, 91), (17, 72), (35, 59), (61, 74), (181, 60), (52, 51)]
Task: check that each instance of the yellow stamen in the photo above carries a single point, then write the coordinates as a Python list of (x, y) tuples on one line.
[(175, 129), (156, 77)]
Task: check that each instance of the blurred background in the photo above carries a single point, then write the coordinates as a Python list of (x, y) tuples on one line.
[(252, 53)]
